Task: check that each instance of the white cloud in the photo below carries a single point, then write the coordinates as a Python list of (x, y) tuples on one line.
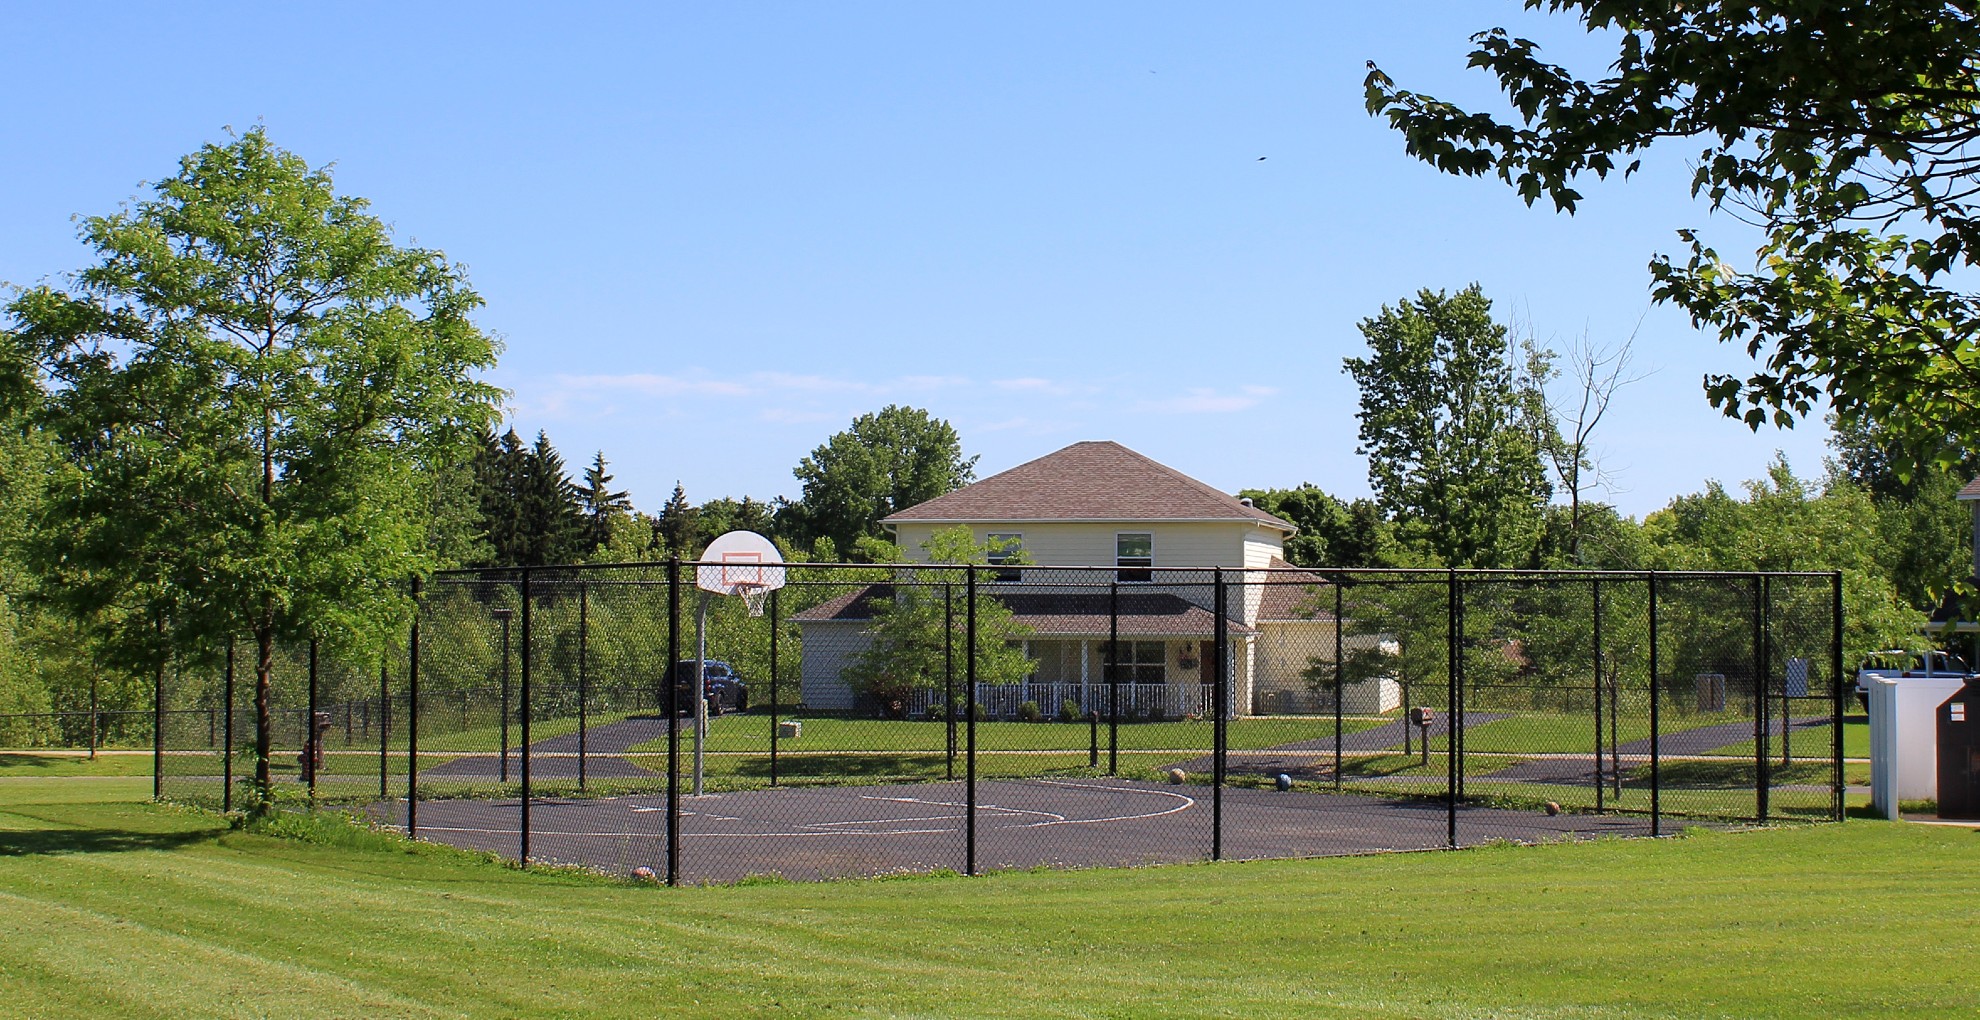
[(649, 384), (1210, 401), (1028, 426), (1042, 387), (795, 416), (929, 382)]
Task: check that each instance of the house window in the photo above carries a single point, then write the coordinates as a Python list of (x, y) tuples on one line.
[(1139, 662), (1134, 554), (1005, 547)]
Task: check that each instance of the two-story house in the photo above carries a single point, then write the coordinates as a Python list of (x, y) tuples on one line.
[(1151, 537)]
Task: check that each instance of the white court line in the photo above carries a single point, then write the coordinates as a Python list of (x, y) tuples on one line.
[(1187, 802), (980, 806)]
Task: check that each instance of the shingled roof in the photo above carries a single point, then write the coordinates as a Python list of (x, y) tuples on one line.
[(1090, 481), (1971, 492), (1294, 596)]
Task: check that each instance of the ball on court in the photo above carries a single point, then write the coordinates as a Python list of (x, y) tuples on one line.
[(642, 874), (1284, 781), (1553, 809), (1176, 777)]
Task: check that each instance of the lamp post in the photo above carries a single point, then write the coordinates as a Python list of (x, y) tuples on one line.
[(504, 615)]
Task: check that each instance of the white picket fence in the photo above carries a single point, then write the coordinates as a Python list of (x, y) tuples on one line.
[(1138, 701)]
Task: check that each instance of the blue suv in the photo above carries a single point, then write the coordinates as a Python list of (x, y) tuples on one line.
[(720, 683)]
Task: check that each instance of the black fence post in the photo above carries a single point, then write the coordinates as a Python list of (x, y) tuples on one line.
[(1220, 704), (227, 752), (673, 721), (412, 719), (527, 599), (949, 674), (1340, 678), (384, 726), (1112, 665), (1656, 734), (96, 715), (1837, 691), (311, 738), (969, 682), (774, 681), (1458, 681), (158, 731), (1451, 706), (584, 684), (1595, 593), (1093, 738), (1761, 729)]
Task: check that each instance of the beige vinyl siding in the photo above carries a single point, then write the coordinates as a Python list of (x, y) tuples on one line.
[(1284, 649), (1092, 544), (1261, 546)]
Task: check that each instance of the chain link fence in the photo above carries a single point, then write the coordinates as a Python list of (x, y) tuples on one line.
[(879, 719)]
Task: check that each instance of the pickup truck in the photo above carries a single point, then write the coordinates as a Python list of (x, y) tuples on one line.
[(1898, 665)]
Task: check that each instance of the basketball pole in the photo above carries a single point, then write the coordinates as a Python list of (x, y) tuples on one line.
[(700, 685)]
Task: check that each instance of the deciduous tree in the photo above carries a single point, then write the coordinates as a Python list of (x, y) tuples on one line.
[(886, 461), (1452, 436), (1843, 128), (251, 386), (917, 628)]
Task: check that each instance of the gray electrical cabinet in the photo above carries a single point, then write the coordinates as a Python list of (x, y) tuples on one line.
[(1959, 754)]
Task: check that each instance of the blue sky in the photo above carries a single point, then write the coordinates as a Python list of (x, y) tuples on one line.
[(711, 235)]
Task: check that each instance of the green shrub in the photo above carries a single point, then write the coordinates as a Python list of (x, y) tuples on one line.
[(1030, 712), (1069, 711)]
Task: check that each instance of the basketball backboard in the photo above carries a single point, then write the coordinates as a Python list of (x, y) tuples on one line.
[(740, 563)]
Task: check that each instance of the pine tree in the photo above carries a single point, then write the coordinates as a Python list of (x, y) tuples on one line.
[(498, 471), (547, 502), (676, 526), (600, 504)]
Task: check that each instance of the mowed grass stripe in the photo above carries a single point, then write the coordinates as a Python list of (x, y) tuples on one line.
[(1774, 923), (163, 973)]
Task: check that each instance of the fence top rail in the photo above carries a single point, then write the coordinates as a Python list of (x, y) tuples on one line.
[(1234, 575)]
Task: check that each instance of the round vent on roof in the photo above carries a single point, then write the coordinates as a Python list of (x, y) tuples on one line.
[(1246, 500)]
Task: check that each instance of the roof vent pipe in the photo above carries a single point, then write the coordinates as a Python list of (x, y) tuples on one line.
[(1246, 500)]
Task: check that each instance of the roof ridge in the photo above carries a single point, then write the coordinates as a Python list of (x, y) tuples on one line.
[(1093, 479)]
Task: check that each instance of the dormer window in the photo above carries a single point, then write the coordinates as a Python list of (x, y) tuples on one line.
[(1005, 547), (1134, 554)]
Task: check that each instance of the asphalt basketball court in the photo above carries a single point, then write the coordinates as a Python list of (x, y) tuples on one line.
[(839, 831)]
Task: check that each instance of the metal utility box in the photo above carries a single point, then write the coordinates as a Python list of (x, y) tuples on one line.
[(1959, 754)]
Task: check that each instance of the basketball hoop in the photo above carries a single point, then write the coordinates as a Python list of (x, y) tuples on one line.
[(754, 596)]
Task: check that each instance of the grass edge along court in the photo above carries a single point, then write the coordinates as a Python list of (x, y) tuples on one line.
[(127, 909)]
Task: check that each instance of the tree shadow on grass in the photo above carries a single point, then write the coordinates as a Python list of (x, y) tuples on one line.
[(36, 842), (13, 761)]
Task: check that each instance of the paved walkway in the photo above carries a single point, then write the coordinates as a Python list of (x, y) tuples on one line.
[(1582, 771), (1302, 758), (556, 758)]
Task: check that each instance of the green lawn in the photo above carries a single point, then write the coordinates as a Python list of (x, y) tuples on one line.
[(32, 763), (112, 910)]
